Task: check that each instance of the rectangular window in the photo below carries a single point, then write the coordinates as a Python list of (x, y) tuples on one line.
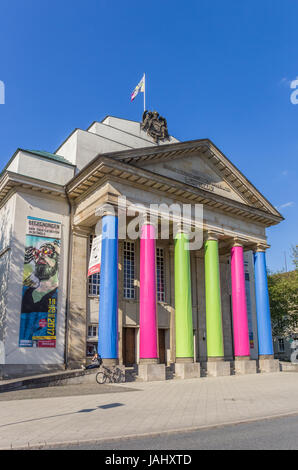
[(91, 349), (94, 280), (92, 331), (129, 270), (160, 268), (281, 345)]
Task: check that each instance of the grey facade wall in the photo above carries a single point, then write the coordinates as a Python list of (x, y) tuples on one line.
[(7, 216)]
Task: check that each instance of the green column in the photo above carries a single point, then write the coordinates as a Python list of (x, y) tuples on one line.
[(213, 301), (183, 302)]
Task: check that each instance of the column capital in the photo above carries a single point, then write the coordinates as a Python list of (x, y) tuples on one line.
[(237, 241), (106, 209), (260, 247), (211, 235), (147, 219), (180, 227)]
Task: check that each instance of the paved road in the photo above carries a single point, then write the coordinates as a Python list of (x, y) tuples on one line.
[(80, 414), (273, 434)]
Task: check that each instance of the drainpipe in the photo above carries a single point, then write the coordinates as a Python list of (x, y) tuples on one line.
[(69, 260)]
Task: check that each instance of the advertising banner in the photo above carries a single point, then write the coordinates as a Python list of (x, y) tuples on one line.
[(95, 256), (40, 284)]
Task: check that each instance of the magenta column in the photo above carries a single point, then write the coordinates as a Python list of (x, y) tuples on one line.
[(148, 323), (240, 322)]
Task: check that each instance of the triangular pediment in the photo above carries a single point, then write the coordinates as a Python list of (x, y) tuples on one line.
[(195, 170), (200, 164)]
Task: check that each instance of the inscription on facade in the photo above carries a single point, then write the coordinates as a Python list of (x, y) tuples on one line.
[(198, 181)]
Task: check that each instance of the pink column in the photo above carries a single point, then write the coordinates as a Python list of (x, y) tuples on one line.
[(240, 322), (148, 324)]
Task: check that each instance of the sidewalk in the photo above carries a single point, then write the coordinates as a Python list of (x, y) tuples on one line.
[(147, 408)]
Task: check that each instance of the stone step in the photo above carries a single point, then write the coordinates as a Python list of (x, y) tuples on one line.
[(288, 366)]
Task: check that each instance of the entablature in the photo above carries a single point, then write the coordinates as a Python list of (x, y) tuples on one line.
[(105, 169)]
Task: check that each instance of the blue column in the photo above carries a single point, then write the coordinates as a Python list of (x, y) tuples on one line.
[(108, 300), (262, 304)]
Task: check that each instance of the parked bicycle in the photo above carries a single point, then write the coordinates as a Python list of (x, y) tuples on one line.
[(106, 375)]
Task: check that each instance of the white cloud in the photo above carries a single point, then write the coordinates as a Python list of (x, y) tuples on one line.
[(286, 82), (287, 204)]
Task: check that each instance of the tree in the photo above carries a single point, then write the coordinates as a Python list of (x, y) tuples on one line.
[(295, 256), (283, 294)]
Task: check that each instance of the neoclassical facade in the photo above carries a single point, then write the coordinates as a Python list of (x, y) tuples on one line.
[(155, 303)]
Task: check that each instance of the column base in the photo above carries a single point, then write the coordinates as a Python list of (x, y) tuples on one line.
[(217, 367), (245, 366), (184, 359), (149, 361), (267, 364), (215, 359), (187, 370), (152, 372)]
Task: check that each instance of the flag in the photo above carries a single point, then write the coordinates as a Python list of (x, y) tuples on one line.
[(139, 88), (95, 256)]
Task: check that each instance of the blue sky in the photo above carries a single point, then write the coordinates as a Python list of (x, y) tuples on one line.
[(216, 69)]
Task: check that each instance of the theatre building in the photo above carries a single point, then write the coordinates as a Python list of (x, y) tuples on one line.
[(157, 302)]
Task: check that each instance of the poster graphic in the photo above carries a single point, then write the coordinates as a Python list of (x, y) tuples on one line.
[(95, 256), (40, 284)]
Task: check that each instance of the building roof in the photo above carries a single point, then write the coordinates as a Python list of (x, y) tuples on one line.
[(41, 153), (132, 164), (51, 156)]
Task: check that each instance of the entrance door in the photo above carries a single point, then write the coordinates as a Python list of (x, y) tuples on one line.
[(129, 346), (162, 346)]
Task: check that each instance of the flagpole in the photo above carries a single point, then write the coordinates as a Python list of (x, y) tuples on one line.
[(144, 92)]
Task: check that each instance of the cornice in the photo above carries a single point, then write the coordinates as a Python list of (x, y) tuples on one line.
[(231, 174), (105, 167), (12, 181), (221, 164)]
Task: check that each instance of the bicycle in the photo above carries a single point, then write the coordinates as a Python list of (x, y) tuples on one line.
[(107, 375)]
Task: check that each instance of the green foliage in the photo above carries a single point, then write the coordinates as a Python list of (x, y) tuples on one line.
[(283, 294), (295, 256)]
